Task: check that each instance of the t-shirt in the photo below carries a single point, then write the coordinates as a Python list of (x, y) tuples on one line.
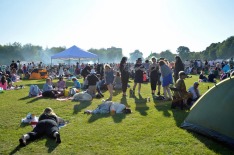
[(92, 79), (4, 86), (194, 93), (117, 107)]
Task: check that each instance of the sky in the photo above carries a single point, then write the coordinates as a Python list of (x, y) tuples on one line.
[(144, 25)]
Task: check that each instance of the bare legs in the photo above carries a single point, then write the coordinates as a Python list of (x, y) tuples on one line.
[(110, 89), (167, 92), (139, 87)]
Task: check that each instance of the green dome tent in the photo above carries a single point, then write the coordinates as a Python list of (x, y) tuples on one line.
[(213, 114)]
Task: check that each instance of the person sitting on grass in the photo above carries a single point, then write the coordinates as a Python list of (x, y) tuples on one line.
[(202, 77), (26, 76), (195, 93), (48, 90), (211, 77), (61, 84), (180, 85), (76, 83), (48, 124), (3, 82), (109, 107), (9, 81)]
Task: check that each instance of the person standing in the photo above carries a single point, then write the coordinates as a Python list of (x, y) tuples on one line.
[(179, 66), (139, 69), (61, 71), (92, 82), (124, 70), (109, 79), (166, 74), (154, 76)]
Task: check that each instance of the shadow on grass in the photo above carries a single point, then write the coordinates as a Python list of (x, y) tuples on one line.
[(95, 117), (179, 115), (25, 98), (34, 99), (78, 107), (116, 92), (22, 124), (50, 144), (124, 101), (165, 107), (162, 106), (16, 149), (141, 106), (116, 117), (212, 144)]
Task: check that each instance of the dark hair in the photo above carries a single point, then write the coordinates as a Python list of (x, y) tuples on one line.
[(123, 60), (117, 74), (161, 62), (3, 79), (127, 111)]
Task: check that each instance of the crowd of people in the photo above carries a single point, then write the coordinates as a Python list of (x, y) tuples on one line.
[(160, 73)]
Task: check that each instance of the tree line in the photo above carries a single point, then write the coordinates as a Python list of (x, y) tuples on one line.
[(29, 53), (220, 50)]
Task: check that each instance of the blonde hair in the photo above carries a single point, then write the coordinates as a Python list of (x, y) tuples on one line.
[(107, 65), (49, 111)]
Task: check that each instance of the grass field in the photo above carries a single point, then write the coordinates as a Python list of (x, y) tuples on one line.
[(152, 128)]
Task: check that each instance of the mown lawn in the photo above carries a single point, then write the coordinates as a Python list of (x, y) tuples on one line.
[(152, 128)]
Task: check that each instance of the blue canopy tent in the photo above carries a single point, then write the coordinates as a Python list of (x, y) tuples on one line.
[(72, 53)]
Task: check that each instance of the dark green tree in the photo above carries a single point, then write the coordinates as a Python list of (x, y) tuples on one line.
[(167, 55), (135, 55), (183, 52)]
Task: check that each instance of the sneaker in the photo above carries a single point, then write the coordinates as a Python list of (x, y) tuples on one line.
[(22, 141), (57, 138)]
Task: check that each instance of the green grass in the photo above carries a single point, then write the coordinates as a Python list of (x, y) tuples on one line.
[(152, 128)]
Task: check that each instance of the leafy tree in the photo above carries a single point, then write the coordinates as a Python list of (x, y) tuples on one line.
[(135, 55), (183, 52), (156, 55), (167, 55)]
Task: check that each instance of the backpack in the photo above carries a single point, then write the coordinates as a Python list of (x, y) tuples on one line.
[(34, 91)]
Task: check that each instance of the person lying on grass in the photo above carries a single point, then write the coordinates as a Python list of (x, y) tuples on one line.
[(48, 124), (109, 107)]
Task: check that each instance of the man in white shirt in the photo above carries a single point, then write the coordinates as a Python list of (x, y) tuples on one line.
[(194, 91)]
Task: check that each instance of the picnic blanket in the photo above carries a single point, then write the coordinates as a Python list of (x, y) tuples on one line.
[(32, 120)]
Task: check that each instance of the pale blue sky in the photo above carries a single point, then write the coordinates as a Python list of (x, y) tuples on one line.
[(147, 25)]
